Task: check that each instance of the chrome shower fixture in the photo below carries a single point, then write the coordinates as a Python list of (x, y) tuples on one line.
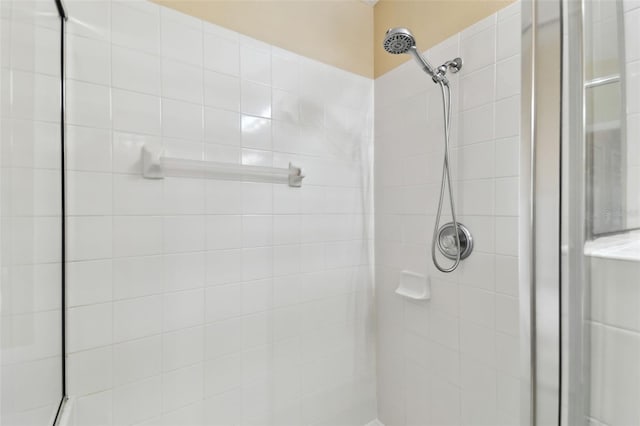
[(400, 40), (448, 244), (453, 239)]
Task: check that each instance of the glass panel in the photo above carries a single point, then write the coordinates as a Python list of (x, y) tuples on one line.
[(30, 213), (612, 202), (601, 188)]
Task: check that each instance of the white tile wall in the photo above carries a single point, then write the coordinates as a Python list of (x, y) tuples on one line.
[(615, 341), (453, 359), (215, 302), (30, 209)]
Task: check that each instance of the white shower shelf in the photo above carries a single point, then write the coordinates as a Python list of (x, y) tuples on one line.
[(155, 165), (414, 286)]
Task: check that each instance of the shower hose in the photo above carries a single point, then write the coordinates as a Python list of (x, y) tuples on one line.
[(446, 175)]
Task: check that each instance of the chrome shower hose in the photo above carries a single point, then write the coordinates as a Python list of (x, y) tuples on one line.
[(446, 176)]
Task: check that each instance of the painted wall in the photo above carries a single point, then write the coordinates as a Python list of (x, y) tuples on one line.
[(455, 358), (339, 33), (347, 34), (431, 22), (196, 301)]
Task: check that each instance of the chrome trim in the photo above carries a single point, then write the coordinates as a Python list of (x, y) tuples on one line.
[(464, 237), (547, 101), (525, 224), (540, 209), (576, 342), (600, 81), (454, 65), (622, 63)]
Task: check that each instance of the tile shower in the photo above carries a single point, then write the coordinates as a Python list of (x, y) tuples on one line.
[(199, 301), (454, 360)]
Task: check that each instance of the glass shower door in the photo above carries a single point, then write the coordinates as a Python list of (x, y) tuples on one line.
[(601, 218), (31, 349)]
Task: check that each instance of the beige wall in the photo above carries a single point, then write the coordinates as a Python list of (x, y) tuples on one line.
[(339, 33), (431, 21), (345, 33)]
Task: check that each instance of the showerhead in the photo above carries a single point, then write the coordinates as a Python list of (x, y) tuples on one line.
[(398, 41)]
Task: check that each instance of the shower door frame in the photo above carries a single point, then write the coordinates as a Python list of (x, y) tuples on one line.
[(575, 392), (62, 13), (540, 212)]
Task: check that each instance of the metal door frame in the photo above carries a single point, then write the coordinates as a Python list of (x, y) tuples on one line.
[(540, 211), (62, 12)]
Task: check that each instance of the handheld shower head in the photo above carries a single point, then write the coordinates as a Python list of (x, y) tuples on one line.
[(398, 41), (454, 240)]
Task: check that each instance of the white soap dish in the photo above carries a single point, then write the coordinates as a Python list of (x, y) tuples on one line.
[(414, 286)]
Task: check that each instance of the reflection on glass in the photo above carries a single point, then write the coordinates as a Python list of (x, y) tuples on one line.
[(611, 126)]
